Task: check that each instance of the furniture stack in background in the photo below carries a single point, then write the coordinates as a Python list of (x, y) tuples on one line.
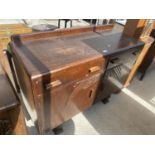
[(150, 55), (139, 29), (11, 115), (6, 30)]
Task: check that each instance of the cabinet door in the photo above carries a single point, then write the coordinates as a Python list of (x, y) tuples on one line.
[(65, 101), (83, 95), (80, 96)]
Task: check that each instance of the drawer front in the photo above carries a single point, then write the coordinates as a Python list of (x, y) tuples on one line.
[(62, 77)]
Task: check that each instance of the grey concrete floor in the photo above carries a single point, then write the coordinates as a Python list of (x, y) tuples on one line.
[(130, 112)]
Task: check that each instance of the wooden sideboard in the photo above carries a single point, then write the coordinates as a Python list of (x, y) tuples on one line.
[(61, 72), (57, 73)]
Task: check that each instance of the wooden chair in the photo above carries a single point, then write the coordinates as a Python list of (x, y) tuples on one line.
[(137, 28), (149, 58)]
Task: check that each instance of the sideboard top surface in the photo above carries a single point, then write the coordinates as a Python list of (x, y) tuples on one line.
[(45, 52)]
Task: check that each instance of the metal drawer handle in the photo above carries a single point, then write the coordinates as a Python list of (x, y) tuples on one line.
[(94, 69), (53, 84)]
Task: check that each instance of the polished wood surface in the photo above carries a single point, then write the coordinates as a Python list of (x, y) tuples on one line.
[(55, 53), (113, 44), (68, 45)]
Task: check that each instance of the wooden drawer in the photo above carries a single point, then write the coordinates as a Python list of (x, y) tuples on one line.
[(64, 76)]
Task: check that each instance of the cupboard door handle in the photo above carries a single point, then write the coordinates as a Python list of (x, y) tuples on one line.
[(91, 93), (53, 84), (94, 69)]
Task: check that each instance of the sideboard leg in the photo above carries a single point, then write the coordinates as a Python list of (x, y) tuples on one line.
[(58, 130), (141, 76), (105, 100)]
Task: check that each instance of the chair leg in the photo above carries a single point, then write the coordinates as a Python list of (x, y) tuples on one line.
[(71, 24), (141, 76), (59, 23), (58, 130), (65, 23), (106, 100)]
